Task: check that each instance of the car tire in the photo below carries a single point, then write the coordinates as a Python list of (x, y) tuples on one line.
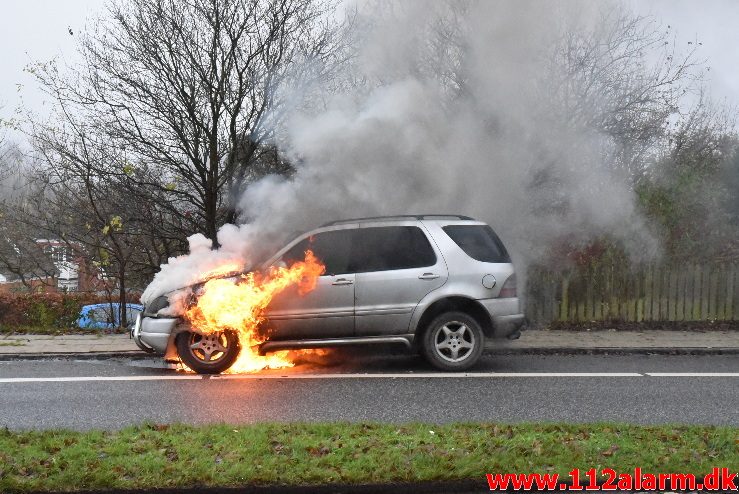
[(453, 341), (208, 354)]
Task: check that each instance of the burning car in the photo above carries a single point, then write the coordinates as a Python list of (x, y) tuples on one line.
[(437, 284)]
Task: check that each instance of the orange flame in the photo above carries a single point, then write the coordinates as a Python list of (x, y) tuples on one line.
[(240, 304)]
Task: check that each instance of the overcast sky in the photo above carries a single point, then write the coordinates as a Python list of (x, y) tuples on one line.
[(38, 30), (715, 24)]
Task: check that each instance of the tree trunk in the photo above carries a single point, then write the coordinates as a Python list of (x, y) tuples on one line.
[(211, 191), (211, 216), (122, 296), (242, 155)]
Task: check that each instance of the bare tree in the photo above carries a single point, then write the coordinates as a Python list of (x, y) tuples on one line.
[(107, 232), (4, 150), (99, 215), (623, 77), (21, 256), (190, 92), (620, 76)]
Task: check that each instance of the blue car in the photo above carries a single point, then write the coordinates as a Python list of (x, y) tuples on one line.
[(106, 316)]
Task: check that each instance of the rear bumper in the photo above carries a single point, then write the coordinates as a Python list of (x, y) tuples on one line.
[(505, 314), (154, 332), (507, 326)]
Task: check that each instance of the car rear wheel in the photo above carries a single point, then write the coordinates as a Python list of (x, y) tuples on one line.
[(208, 354), (453, 341)]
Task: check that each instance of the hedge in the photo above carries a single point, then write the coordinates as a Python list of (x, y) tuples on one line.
[(46, 310)]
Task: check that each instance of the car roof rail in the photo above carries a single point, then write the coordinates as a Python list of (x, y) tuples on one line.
[(401, 217)]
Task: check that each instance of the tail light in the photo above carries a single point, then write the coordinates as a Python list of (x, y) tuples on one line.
[(508, 290)]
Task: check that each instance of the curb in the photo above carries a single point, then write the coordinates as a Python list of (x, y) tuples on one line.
[(139, 355), (135, 354)]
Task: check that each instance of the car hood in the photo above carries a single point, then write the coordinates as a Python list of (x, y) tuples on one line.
[(162, 289)]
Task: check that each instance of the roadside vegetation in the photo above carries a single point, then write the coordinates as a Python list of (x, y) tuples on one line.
[(151, 455), (47, 313)]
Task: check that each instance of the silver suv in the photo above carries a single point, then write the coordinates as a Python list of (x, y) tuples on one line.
[(436, 284)]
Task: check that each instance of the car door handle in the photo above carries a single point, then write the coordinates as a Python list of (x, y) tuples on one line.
[(428, 276), (342, 281)]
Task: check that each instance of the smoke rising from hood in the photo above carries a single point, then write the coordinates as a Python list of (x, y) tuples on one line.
[(460, 111)]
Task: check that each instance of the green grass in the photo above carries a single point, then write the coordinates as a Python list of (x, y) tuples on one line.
[(227, 455)]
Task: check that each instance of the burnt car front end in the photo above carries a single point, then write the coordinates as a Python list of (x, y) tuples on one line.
[(154, 330)]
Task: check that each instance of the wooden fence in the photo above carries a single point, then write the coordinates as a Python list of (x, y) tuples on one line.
[(644, 293)]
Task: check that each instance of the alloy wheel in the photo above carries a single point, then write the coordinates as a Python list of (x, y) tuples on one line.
[(454, 341), (209, 348)]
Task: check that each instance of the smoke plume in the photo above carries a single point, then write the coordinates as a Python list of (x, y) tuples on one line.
[(461, 109)]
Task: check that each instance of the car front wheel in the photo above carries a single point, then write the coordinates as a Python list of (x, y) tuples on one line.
[(208, 354), (453, 341)]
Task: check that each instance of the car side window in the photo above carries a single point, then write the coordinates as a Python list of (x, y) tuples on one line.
[(331, 248), (295, 253), (390, 247)]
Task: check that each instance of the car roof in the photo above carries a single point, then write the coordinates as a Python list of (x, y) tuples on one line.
[(349, 224), (406, 217)]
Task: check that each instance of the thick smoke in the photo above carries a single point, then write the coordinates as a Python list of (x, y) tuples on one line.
[(457, 113)]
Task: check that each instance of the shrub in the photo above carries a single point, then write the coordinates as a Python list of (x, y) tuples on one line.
[(46, 310)]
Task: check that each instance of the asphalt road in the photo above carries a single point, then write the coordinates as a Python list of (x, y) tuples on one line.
[(400, 388)]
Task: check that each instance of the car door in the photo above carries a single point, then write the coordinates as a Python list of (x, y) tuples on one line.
[(328, 310), (395, 266)]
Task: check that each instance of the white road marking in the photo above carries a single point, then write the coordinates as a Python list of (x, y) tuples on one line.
[(429, 375), (98, 378), (693, 374)]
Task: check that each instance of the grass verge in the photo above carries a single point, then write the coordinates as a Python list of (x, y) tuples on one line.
[(226, 455)]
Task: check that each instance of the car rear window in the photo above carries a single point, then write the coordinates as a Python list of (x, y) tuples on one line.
[(479, 242)]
